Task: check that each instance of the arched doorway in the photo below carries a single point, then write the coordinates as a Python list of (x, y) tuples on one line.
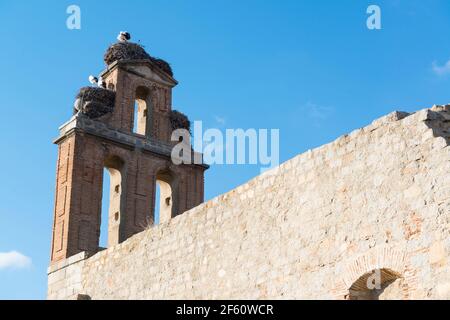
[(379, 284)]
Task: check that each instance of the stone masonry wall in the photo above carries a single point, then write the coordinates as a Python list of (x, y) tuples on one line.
[(378, 198)]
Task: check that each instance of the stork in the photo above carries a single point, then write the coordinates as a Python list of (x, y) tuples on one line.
[(97, 81), (101, 83), (124, 36), (93, 80)]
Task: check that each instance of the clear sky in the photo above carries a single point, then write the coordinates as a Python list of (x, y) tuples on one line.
[(309, 68)]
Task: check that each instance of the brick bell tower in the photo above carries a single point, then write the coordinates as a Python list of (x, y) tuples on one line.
[(124, 126)]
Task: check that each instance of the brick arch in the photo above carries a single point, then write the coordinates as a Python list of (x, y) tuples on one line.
[(158, 93), (140, 83), (151, 86), (158, 102), (388, 259), (140, 97), (107, 152)]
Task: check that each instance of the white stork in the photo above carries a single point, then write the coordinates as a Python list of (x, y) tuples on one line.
[(124, 36)]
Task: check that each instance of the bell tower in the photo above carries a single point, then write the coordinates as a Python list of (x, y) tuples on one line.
[(124, 127)]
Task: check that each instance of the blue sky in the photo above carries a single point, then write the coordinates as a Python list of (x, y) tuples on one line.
[(309, 68)]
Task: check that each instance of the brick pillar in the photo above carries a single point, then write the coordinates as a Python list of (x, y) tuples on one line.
[(78, 198)]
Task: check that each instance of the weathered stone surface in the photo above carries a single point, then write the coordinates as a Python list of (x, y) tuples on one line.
[(376, 199)]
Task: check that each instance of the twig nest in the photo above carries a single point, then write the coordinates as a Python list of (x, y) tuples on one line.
[(125, 51), (179, 121), (133, 51), (94, 102)]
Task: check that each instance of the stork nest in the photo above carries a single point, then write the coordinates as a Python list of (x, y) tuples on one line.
[(179, 120), (94, 102), (133, 51)]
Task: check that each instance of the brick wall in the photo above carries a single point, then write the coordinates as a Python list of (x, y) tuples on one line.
[(86, 147)]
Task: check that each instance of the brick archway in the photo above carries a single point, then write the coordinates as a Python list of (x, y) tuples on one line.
[(396, 260)]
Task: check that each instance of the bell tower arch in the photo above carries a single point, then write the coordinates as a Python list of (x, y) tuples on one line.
[(125, 128)]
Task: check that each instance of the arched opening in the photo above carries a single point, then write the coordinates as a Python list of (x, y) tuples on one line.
[(83, 297), (111, 213), (379, 284), (164, 197), (103, 241), (142, 111), (157, 202)]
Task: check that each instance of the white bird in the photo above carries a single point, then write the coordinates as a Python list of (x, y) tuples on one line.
[(101, 83), (97, 81), (93, 80), (77, 106), (124, 36)]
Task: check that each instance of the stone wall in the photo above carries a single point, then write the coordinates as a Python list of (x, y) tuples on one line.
[(314, 228)]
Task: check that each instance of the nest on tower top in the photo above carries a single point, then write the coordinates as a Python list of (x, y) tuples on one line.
[(179, 120), (133, 51), (94, 102)]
